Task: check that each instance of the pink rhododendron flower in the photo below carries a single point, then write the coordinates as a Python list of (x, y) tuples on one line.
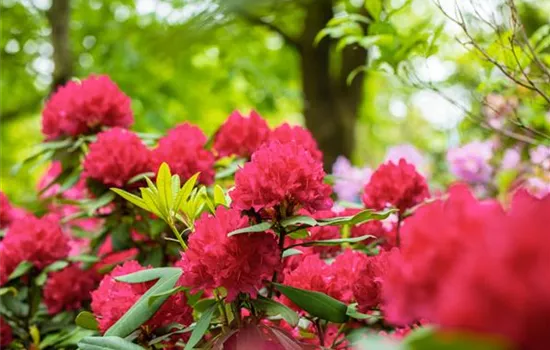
[(67, 289), (349, 180), (6, 334), (78, 191), (395, 185), (238, 263), (283, 176), (40, 241), (367, 287), (344, 271), (240, 135), (116, 157), (470, 163), (84, 107), (112, 299), (286, 133), (434, 240), (183, 149)]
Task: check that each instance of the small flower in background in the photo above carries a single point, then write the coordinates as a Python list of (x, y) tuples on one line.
[(411, 154), (540, 156), (538, 187), (511, 159), (68, 289), (281, 175), (84, 107), (116, 157), (470, 163), (498, 107), (112, 299), (302, 136), (238, 263), (395, 185), (349, 180), (240, 135), (183, 149)]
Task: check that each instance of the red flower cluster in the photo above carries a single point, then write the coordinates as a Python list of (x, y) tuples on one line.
[(469, 265), (238, 263), (39, 241), (183, 149), (116, 157), (284, 176), (286, 133), (240, 135), (68, 289), (336, 279), (395, 185), (367, 289), (6, 209), (6, 335), (112, 299), (83, 107)]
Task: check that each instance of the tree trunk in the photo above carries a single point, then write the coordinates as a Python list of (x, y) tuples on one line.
[(330, 106), (59, 19)]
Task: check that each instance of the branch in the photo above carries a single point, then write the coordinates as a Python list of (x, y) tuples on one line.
[(269, 25)]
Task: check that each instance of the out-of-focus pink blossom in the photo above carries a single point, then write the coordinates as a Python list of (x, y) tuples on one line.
[(470, 163), (349, 180), (411, 154)]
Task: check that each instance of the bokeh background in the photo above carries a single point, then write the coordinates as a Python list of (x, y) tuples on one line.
[(198, 60)]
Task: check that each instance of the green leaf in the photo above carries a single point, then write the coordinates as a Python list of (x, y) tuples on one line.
[(131, 198), (315, 303), (204, 304), (273, 308), (299, 234), (374, 7), (148, 275), (150, 200), (169, 292), (185, 191), (71, 180), (141, 311), (200, 329), (359, 218), (332, 242), (6, 290), (140, 177), (261, 227), (86, 258), (86, 320), (107, 343), (164, 186), (299, 220), (20, 270), (353, 313), (219, 196), (56, 266), (291, 252)]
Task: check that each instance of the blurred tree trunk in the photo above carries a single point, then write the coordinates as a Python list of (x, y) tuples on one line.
[(59, 19), (330, 106)]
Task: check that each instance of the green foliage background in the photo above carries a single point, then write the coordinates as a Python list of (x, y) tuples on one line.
[(181, 61)]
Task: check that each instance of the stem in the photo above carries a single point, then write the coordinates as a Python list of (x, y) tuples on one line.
[(340, 331), (282, 234), (222, 307), (320, 332), (178, 236)]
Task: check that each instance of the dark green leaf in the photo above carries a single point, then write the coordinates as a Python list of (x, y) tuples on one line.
[(331, 242), (141, 311), (261, 227), (107, 343), (204, 304), (87, 320), (201, 328), (273, 308), (291, 252), (20, 270), (315, 303), (299, 220), (169, 292)]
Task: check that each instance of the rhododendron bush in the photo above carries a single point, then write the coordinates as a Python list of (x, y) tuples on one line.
[(240, 240)]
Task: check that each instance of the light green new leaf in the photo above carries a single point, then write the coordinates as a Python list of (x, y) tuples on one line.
[(20, 270), (374, 7), (131, 198), (201, 328), (164, 186), (316, 304), (185, 191), (219, 196), (151, 201)]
